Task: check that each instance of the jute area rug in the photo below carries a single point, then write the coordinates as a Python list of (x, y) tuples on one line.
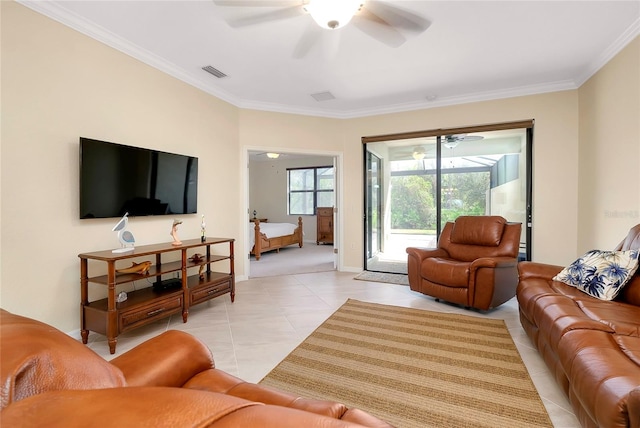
[(415, 368)]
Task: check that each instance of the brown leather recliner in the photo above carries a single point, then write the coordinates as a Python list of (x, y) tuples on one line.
[(475, 264), (49, 379)]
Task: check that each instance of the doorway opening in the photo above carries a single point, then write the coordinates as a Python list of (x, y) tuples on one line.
[(415, 183), (278, 191)]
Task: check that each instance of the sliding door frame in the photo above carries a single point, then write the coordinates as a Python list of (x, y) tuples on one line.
[(525, 124)]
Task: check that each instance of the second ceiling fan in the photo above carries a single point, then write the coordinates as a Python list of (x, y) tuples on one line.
[(389, 24)]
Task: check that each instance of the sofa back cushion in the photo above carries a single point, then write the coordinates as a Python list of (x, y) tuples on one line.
[(37, 358), (631, 292)]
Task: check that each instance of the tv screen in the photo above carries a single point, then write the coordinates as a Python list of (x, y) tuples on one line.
[(116, 179)]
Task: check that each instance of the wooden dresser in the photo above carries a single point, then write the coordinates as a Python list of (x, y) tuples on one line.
[(324, 217)]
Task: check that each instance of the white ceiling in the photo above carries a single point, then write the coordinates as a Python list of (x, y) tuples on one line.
[(472, 51)]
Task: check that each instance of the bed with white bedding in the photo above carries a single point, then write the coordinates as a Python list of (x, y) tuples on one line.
[(273, 236)]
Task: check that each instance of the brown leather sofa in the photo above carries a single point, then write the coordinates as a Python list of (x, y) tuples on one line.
[(475, 264), (49, 379), (591, 346)]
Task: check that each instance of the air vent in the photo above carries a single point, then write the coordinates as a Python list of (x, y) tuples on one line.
[(323, 96), (209, 69)]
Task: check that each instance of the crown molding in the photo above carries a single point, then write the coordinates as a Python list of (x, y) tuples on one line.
[(56, 11), (614, 49), (520, 91)]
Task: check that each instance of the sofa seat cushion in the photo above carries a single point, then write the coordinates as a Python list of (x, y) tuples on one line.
[(620, 317), (600, 375), (557, 315), (630, 345), (453, 273)]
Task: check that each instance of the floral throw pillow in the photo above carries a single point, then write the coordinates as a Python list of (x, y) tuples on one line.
[(601, 274)]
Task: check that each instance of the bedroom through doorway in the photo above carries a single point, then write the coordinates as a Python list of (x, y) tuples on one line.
[(283, 186)]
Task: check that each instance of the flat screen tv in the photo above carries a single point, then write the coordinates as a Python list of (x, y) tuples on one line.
[(116, 179)]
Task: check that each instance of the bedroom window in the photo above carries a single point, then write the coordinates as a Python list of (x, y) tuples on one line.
[(309, 188)]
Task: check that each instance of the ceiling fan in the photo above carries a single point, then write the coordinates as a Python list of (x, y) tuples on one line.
[(382, 21), (451, 141)]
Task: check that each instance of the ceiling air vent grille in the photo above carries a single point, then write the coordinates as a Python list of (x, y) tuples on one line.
[(209, 69), (323, 96)]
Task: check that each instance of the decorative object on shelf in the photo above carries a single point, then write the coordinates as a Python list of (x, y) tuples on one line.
[(122, 296), (196, 258), (174, 232), (141, 268), (254, 214), (203, 226), (124, 236)]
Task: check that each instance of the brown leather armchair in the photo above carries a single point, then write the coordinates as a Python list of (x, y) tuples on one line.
[(49, 379), (475, 264)]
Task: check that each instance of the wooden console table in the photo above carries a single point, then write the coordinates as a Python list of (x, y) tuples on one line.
[(150, 304)]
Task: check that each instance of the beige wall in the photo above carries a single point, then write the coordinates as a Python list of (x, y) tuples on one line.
[(609, 152), (58, 85)]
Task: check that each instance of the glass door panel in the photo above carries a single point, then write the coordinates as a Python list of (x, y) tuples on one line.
[(373, 210), (424, 182)]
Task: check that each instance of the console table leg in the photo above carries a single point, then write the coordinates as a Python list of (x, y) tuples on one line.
[(85, 336)]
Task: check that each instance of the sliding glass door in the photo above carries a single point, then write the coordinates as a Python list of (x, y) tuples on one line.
[(373, 213), (430, 180)]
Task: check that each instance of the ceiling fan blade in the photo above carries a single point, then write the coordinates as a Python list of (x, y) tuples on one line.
[(473, 138), (399, 18), (276, 15), (376, 27), (258, 3), (308, 40)]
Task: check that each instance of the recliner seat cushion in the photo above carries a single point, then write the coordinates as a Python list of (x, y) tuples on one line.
[(452, 273)]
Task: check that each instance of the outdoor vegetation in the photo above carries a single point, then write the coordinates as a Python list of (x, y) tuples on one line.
[(413, 203)]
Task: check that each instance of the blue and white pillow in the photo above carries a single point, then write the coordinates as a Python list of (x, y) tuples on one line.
[(601, 274)]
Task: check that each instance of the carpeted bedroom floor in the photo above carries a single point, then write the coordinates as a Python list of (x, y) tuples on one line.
[(293, 260)]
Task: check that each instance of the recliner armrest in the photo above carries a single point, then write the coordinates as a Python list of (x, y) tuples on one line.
[(170, 359), (424, 253), (538, 270), (493, 262)]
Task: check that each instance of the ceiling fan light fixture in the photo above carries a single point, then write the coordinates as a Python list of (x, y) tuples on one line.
[(273, 155), (418, 153), (451, 144), (332, 14)]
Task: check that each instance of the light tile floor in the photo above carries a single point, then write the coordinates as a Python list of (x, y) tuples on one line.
[(271, 316)]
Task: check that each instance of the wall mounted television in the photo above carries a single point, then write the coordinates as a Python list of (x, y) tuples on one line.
[(116, 179)]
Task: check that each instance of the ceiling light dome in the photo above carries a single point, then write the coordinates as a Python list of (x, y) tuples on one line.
[(332, 14)]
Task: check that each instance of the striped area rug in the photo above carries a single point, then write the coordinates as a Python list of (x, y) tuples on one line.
[(415, 368)]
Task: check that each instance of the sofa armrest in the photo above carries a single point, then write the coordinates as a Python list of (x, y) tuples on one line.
[(170, 359), (224, 383), (633, 405), (538, 270)]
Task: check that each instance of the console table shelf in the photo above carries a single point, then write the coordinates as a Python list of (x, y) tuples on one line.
[(146, 305)]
